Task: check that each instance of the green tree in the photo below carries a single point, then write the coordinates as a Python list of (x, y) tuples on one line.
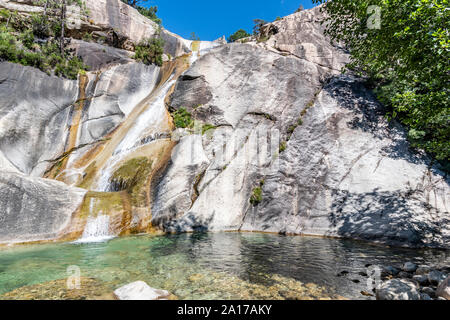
[(150, 51), (194, 37), (149, 12), (18, 41), (403, 47), (135, 3), (257, 27), (240, 34)]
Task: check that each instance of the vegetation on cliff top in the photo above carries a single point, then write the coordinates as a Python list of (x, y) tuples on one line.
[(149, 12), (403, 47), (240, 34), (38, 40), (150, 51)]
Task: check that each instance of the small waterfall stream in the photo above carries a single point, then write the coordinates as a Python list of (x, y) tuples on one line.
[(97, 228), (149, 123)]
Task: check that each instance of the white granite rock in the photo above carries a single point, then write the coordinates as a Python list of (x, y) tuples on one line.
[(139, 290), (398, 290)]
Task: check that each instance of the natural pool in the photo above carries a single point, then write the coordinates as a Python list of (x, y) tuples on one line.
[(213, 265)]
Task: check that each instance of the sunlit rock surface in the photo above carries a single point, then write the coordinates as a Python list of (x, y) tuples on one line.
[(35, 209), (347, 172), (302, 35), (344, 172), (282, 142), (139, 290), (35, 111)]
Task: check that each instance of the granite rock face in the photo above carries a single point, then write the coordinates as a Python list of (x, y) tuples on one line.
[(301, 35), (34, 113), (99, 56), (38, 113), (344, 172), (35, 209), (282, 142)]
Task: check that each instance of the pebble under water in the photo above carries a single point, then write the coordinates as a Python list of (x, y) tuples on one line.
[(211, 265)]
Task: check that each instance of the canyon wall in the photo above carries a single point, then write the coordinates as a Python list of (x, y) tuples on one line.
[(282, 141)]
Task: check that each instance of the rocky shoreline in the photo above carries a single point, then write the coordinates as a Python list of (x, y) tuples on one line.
[(409, 281)]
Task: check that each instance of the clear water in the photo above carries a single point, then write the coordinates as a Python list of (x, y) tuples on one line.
[(227, 264)]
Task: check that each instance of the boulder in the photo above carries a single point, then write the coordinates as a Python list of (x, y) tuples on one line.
[(302, 35), (139, 290), (436, 277), (423, 270), (98, 56), (397, 289), (429, 291), (389, 271), (443, 289), (421, 279), (409, 267)]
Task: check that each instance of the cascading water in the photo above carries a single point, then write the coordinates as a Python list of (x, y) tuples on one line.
[(146, 129), (97, 228), (146, 124)]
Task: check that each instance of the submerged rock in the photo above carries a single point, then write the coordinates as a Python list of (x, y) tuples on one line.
[(139, 290), (436, 277), (397, 289), (421, 279), (409, 267)]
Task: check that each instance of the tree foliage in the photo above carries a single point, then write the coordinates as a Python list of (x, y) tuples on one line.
[(240, 34), (258, 23), (38, 40), (150, 51), (403, 46), (149, 12)]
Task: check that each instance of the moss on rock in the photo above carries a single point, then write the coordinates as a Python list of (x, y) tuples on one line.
[(132, 176)]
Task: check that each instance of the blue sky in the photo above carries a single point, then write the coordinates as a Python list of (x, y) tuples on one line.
[(211, 19)]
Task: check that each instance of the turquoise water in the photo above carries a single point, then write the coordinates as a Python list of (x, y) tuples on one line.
[(230, 265)]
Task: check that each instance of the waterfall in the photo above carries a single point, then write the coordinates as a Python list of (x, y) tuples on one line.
[(147, 124), (200, 48), (97, 228)]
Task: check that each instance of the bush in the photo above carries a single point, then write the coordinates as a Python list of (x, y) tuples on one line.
[(150, 51), (150, 13), (47, 57), (256, 197), (240, 34), (182, 118)]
